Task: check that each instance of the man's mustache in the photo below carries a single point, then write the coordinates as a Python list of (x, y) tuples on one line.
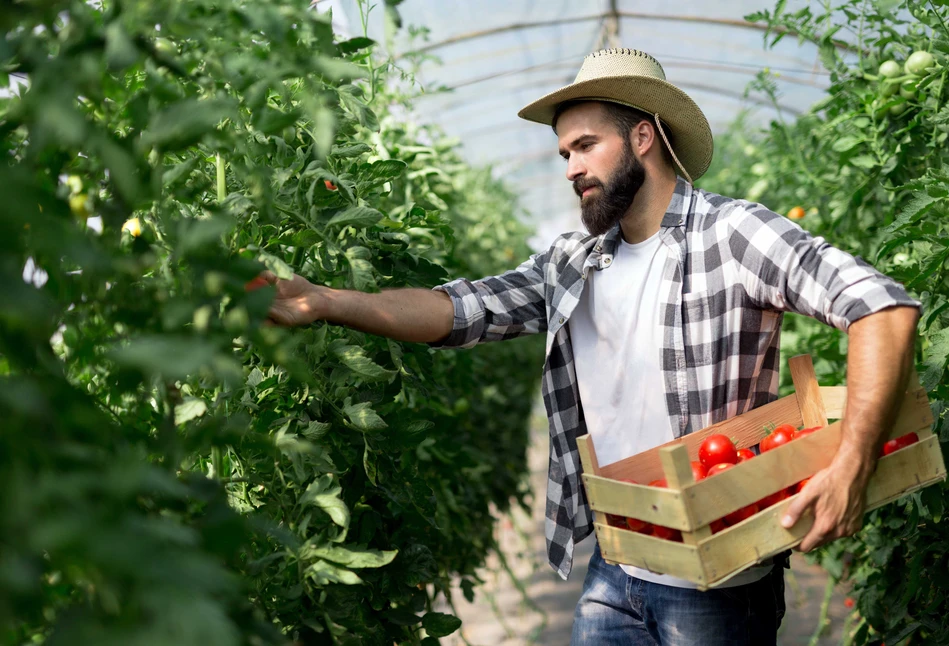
[(583, 184)]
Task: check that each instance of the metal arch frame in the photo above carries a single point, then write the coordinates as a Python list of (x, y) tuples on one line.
[(727, 22)]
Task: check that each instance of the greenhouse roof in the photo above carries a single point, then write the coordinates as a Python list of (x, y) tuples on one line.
[(499, 55)]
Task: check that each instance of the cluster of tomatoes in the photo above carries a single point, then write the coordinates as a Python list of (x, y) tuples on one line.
[(718, 453)]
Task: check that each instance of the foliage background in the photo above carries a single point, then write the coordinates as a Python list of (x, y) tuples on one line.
[(170, 470), (871, 170)]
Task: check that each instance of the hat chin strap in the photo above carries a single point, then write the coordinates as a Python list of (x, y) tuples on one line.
[(671, 152)]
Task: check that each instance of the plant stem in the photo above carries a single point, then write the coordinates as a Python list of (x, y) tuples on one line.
[(822, 620), (221, 183)]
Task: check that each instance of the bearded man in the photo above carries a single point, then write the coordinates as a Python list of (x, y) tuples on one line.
[(663, 318)]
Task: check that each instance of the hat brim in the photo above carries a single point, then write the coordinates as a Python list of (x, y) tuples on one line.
[(690, 132)]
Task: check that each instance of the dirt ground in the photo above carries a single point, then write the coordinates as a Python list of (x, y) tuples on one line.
[(538, 607)]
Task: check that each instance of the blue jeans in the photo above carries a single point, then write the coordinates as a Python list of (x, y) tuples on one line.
[(616, 609)]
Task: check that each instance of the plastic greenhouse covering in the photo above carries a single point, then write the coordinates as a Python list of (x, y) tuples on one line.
[(498, 55)]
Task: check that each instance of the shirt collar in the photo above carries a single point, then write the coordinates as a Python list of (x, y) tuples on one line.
[(675, 216)]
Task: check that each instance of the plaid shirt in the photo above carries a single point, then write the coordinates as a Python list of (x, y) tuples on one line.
[(734, 268)]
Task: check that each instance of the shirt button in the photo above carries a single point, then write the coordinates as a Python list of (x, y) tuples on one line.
[(607, 261), (562, 319)]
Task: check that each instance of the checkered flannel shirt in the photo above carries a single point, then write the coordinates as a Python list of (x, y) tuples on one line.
[(734, 268)]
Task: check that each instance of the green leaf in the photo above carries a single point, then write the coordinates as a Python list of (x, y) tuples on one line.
[(361, 269), (120, 51), (382, 171), (354, 357), (847, 142), (186, 122), (351, 150), (173, 174), (323, 572), (189, 409), (355, 558), (363, 416), (937, 357), (402, 616), (205, 232), (354, 44), (276, 265), (440, 624), (916, 207), (359, 217), (324, 493)]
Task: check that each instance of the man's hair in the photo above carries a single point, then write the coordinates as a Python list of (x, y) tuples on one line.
[(624, 118)]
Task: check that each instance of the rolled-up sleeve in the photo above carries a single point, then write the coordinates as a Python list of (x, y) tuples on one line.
[(785, 268), (499, 307)]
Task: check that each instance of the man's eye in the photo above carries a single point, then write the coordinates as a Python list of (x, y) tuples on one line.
[(587, 146)]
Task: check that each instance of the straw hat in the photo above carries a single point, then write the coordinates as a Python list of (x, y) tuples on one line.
[(635, 79)]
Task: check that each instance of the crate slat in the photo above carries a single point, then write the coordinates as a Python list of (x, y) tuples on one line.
[(650, 553), (807, 391), (651, 504), (835, 399)]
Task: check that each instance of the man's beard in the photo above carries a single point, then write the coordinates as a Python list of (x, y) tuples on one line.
[(600, 212)]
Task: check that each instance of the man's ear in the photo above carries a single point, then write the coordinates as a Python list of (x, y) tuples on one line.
[(644, 137)]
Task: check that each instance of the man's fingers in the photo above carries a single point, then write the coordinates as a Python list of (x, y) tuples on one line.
[(796, 509)]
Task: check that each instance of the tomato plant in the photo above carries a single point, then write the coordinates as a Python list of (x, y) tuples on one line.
[(167, 455), (872, 166)]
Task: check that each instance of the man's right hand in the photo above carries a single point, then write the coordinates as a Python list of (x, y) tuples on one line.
[(297, 301)]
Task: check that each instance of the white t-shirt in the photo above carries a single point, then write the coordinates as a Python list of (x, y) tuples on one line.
[(616, 339)]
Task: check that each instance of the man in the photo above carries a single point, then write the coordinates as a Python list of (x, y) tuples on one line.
[(663, 320)]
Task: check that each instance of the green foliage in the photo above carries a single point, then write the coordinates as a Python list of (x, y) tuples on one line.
[(869, 166), (171, 470)]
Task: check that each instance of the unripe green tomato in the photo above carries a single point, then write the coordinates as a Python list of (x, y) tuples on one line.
[(889, 89), (165, 46), (908, 89), (878, 109), (289, 135), (79, 205), (918, 63), (898, 109), (890, 69)]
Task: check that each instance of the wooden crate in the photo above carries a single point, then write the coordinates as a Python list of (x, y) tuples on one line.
[(708, 560)]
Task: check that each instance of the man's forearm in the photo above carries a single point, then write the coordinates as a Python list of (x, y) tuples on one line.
[(415, 315), (879, 360)]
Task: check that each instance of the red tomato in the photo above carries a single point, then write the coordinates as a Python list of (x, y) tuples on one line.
[(329, 185), (807, 431), (255, 283), (780, 435), (718, 468), (900, 442), (848, 602), (661, 483), (745, 454), (741, 514), (667, 533), (638, 526), (773, 499), (698, 471), (717, 449), (800, 485), (717, 525), (615, 521)]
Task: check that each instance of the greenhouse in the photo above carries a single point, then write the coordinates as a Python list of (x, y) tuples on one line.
[(441, 322)]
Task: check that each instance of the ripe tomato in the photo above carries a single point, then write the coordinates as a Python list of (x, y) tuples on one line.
[(717, 525), (638, 526), (800, 485), (848, 602), (796, 213), (717, 449), (900, 442), (330, 186), (661, 483), (255, 283), (745, 455), (741, 514), (667, 533), (807, 431), (773, 499), (615, 521), (780, 435), (698, 471), (718, 468)]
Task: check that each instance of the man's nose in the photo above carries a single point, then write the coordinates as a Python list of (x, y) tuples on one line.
[(575, 170)]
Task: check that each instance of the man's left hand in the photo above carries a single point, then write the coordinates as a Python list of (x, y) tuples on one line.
[(836, 496)]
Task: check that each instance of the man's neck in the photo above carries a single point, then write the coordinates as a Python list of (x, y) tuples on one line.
[(645, 214)]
